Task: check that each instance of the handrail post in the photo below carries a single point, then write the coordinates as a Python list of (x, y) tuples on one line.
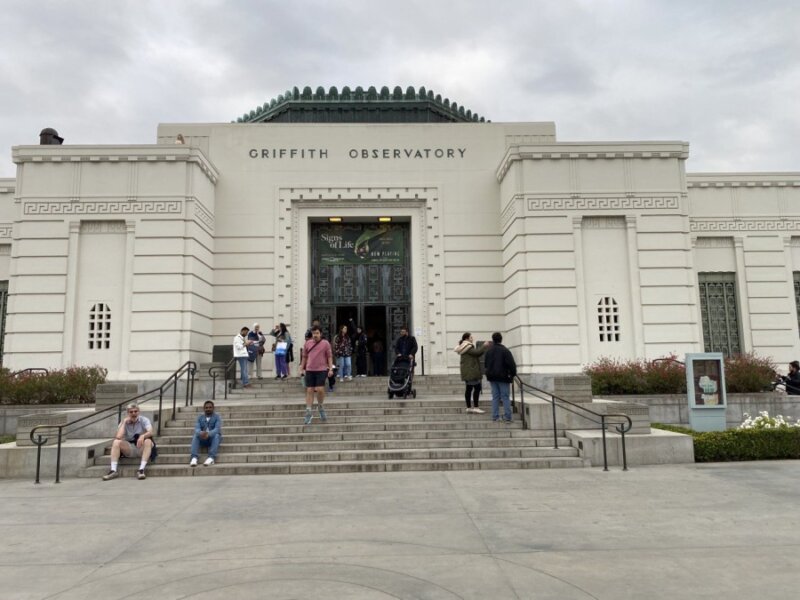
[(160, 402), (555, 422), (58, 455), (422, 352), (624, 456), (605, 455), (38, 457), (193, 374), (522, 407), (214, 385), (174, 396), (187, 388)]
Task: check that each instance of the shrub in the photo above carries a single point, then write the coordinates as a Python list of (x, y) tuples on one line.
[(665, 376), (748, 373), (609, 376), (759, 438), (744, 373), (747, 444), (75, 385)]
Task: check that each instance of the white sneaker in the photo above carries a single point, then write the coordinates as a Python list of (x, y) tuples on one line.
[(209, 462), (478, 411), (193, 462), (470, 410)]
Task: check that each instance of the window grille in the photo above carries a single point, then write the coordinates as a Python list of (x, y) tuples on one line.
[(796, 275), (100, 327), (719, 313), (3, 310), (608, 319)]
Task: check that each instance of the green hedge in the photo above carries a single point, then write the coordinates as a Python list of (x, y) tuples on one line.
[(742, 444), (75, 385)]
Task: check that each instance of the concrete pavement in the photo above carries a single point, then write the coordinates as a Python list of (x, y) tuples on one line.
[(680, 531)]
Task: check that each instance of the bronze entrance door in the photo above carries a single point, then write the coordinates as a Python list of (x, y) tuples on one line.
[(362, 271)]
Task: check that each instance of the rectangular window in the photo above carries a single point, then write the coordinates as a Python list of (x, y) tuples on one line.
[(796, 277), (719, 313), (3, 310)]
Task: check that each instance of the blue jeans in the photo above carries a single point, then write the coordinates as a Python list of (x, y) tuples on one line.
[(212, 443), (243, 366), (344, 364), (501, 391)]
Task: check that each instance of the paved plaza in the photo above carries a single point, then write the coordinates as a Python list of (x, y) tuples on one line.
[(691, 531)]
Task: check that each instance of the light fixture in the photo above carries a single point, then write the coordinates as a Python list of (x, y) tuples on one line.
[(384, 219), (335, 219)]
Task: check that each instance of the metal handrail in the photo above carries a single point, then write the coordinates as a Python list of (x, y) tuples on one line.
[(622, 426), (189, 368), (226, 368), (30, 371)]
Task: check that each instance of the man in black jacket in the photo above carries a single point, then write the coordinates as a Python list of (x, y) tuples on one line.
[(406, 345), (500, 371), (792, 381)]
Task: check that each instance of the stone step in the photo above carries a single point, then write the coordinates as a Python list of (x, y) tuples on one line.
[(371, 455), (181, 447), (337, 418), (260, 407), (333, 426), (321, 435), (285, 468), (230, 416)]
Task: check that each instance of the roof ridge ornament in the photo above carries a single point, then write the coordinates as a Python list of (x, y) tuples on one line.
[(359, 106)]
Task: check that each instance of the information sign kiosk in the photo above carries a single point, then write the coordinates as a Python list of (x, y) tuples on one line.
[(705, 387)]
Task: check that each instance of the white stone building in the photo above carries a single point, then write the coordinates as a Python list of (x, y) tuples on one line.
[(141, 257)]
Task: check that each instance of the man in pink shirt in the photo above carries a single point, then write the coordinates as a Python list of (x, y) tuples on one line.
[(317, 365)]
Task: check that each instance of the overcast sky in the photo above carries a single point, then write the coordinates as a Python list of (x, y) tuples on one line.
[(723, 75)]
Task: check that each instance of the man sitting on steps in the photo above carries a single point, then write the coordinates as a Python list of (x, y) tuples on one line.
[(134, 439), (207, 433)]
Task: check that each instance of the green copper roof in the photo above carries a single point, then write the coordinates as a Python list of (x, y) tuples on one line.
[(360, 106)]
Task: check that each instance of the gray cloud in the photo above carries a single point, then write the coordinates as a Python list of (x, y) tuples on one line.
[(722, 75)]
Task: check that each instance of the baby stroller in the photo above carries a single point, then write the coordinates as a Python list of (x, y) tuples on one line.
[(401, 378)]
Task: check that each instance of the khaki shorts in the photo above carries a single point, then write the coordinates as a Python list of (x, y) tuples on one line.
[(135, 452)]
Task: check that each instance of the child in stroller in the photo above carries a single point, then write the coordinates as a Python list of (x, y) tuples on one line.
[(401, 378)]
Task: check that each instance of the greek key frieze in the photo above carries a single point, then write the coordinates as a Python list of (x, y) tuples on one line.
[(5, 230), (101, 208), (743, 225), (618, 203)]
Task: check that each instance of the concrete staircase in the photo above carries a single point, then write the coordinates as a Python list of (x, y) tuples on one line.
[(375, 387), (264, 434)]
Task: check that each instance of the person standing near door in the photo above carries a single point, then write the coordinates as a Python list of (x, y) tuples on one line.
[(360, 344), (240, 353), (259, 341), (378, 357), (343, 350)]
